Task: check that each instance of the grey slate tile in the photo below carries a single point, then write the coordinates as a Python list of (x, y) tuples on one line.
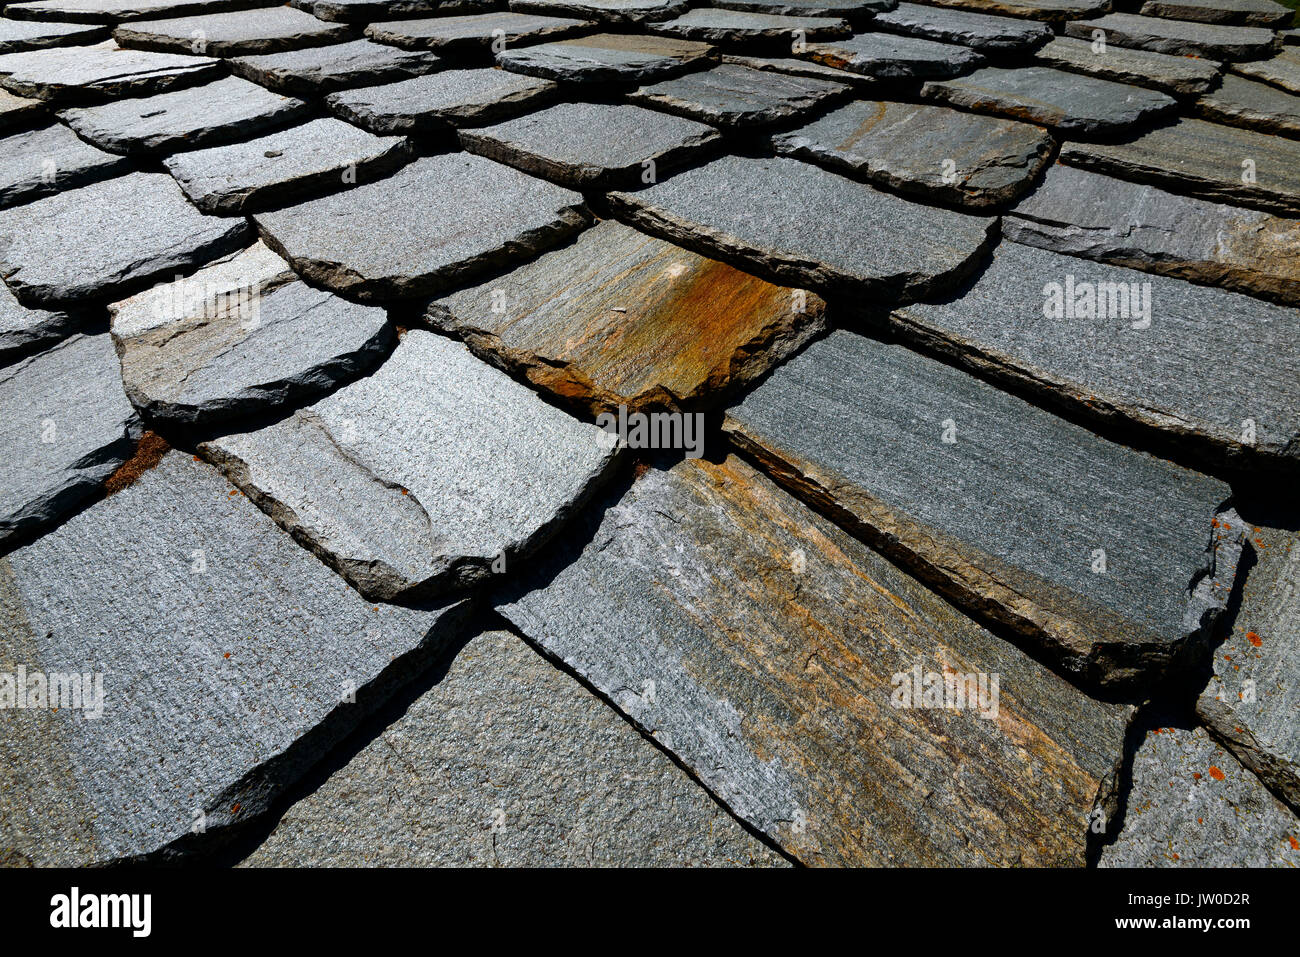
[(436, 222), (1181, 75), (607, 57), (593, 145), (621, 12), (1027, 518), (851, 10), (114, 11), (733, 95), (930, 151), (19, 35), (1257, 106), (23, 330), (736, 27), (1070, 103), (238, 663), (423, 476), (477, 31), (100, 72), (107, 239), (319, 70), (805, 68), (888, 56), (65, 427), (48, 160), (438, 102), (1282, 71), (988, 34), (813, 228), (239, 33), (1049, 11), (369, 11), (759, 643), (1178, 37), (1255, 13)]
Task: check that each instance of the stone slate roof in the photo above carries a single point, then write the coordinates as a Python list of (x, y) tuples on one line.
[(312, 320)]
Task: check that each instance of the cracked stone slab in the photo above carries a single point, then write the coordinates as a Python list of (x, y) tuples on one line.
[(1192, 805), (48, 160), (1071, 103), (605, 11), (114, 11), (1027, 507), (18, 110), (930, 151), (1211, 371), (109, 238), (1282, 70), (439, 102), (621, 318), (437, 222), (476, 31), (240, 662), (607, 57), (241, 336), (65, 427), (593, 145), (423, 476), (228, 109), (1254, 13), (1180, 75), (889, 56), (321, 155), (572, 784), (851, 10), (1256, 106), (739, 27), (813, 228), (1178, 37), (1253, 698), (23, 329), (318, 70), (240, 33), (1207, 160), (99, 72), (718, 577), (734, 95), (370, 11), (988, 34), (1049, 11), (19, 35)]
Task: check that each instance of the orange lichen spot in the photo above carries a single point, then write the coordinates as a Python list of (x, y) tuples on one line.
[(235, 809), (406, 492), (1200, 820), (1216, 773), (148, 453), (1295, 845), (1175, 857), (1196, 775), (1254, 639), (226, 655), (1214, 523)]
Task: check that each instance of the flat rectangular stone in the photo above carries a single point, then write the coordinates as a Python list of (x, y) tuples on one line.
[(439, 102), (988, 34), (239, 33), (621, 318), (887, 56), (321, 156), (1282, 71), (811, 228), (607, 57), (1071, 103), (732, 27), (237, 663), (23, 330), (1142, 227), (319, 70), (604, 11), (48, 160), (480, 30), (1024, 517), (108, 239), (1177, 37), (100, 72), (855, 11), (371, 11), (184, 119), (1215, 162), (423, 476), (1049, 11), (1210, 373), (1180, 75), (784, 66), (434, 223), (1255, 13), (1256, 106), (929, 151), (767, 650), (737, 96), (19, 35), (18, 110), (593, 145), (115, 11)]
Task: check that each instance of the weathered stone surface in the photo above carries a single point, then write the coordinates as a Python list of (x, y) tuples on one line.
[(49, 160), (1130, 224), (100, 72), (247, 337), (19, 35), (318, 70), (506, 761), (23, 329), (1051, 11), (1178, 37), (1211, 371), (1256, 106), (1072, 103), (1252, 698), (441, 101), (1192, 805), (888, 56), (621, 318), (806, 68), (238, 662), (1181, 75), (605, 11), (323, 155), (1027, 507), (932, 151), (243, 32), (592, 145), (422, 476), (736, 26), (1256, 13), (478, 30), (109, 238), (65, 426), (988, 34), (852, 10), (759, 643), (607, 57), (18, 110), (1206, 160), (430, 225), (370, 11), (812, 228), (1282, 70), (183, 119), (735, 95), (113, 11)]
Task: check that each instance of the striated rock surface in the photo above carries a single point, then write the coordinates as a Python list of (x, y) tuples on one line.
[(736, 95), (886, 56), (1180, 75), (439, 102), (606, 57)]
